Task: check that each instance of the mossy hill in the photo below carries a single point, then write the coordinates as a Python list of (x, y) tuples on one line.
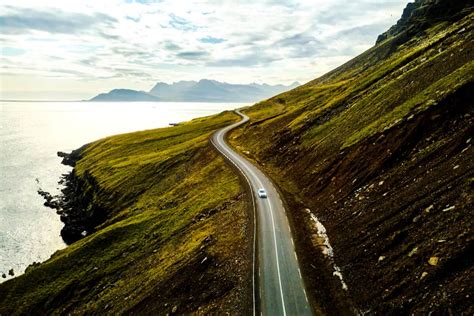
[(380, 150), (174, 239)]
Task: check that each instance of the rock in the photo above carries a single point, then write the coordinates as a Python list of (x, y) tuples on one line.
[(449, 208), (175, 309), (455, 167), (424, 274), (429, 208), (413, 251), (4, 275), (416, 218), (11, 272), (381, 258), (433, 261), (381, 182)]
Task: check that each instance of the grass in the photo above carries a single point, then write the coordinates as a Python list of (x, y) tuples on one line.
[(417, 103), (165, 191), (370, 93)]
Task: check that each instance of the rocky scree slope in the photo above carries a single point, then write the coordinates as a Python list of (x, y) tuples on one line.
[(380, 151), (171, 238)]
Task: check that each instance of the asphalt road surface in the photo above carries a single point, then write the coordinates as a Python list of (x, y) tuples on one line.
[(277, 283)]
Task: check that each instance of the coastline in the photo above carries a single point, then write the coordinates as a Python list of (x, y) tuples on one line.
[(31, 232), (174, 211), (75, 205)]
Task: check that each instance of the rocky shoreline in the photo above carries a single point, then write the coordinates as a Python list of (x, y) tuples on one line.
[(75, 203)]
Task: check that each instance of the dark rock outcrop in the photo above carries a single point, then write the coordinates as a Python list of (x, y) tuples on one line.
[(75, 205), (71, 158), (421, 14)]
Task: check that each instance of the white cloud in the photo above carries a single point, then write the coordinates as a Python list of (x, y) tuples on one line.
[(96, 45)]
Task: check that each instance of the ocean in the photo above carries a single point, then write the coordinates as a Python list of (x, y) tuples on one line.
[(31, 133)]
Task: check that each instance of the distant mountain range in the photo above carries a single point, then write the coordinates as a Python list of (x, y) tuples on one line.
[(198, 91), (125, 95)]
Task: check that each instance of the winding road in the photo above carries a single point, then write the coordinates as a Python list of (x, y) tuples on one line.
[(278, 287)]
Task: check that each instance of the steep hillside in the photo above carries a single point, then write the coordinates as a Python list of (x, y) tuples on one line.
[(174, 238), (380, 152)]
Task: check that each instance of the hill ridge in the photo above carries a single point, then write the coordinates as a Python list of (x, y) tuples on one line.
[(204, 90)]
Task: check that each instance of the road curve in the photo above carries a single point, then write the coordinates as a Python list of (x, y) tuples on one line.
[(280, 289)]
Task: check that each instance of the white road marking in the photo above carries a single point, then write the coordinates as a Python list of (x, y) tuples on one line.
[(278, 262)]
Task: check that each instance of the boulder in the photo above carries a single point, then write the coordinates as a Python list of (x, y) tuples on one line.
[(433, 261)]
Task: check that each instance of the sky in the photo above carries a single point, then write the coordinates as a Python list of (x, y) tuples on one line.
[(56, 49)]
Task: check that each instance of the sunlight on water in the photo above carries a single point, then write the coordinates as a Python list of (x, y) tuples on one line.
[(31, 134)]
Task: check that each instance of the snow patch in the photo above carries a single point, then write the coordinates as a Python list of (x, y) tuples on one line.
[(326, 247), (327, 251), (338, 273)]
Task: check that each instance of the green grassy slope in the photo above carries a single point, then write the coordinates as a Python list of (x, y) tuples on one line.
[(175, 237), (380, 150)]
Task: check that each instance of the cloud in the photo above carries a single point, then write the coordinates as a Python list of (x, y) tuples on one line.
[(168, 45), (248, 60), (11, 51), (144, 1), (181, 24), (301, 45), (55, 21), (134, 42), (134, 19), (211, 40), (193, 55)]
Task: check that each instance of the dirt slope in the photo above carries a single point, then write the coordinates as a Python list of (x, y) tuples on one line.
[(380, 151)]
